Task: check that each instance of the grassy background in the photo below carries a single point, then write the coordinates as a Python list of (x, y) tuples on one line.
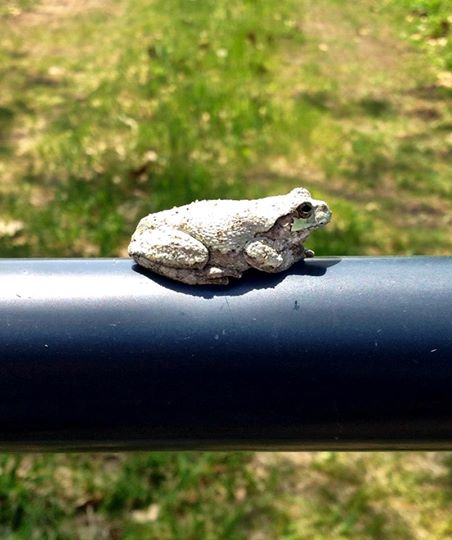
[(110, 109)]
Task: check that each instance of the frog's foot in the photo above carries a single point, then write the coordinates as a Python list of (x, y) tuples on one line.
[(210, 275), (308, 253), (195, 277), (215, 272)]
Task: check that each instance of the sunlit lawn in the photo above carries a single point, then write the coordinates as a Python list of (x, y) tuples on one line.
[(110, 109)]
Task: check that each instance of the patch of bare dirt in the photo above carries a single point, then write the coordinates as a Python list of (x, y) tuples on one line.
[(51, 12), (353, 45), (358, 50)]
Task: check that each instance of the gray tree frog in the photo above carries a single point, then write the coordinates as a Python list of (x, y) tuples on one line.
[(207, 242)]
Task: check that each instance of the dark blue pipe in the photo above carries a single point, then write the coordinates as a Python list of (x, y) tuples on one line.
[(351, 353)]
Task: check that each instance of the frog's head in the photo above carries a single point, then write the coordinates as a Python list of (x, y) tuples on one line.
[(307, 214)]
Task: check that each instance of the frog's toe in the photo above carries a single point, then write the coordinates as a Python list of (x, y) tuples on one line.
[(216, 272)]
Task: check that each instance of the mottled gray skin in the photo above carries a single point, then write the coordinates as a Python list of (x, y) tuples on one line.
[(207, 242)]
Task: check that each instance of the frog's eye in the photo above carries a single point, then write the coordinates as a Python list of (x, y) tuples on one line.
[(305, 210)]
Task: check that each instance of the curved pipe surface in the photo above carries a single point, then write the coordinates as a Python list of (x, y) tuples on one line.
[(337, 353)]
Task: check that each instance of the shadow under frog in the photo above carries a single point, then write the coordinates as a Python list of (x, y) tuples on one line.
[(251, 281)]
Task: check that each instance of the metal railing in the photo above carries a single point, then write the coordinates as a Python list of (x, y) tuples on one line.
[(337, 353)]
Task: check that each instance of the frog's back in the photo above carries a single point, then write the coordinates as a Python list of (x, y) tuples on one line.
[(220, 223)]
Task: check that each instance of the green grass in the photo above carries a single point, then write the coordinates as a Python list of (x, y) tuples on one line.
[(161, 496), (320, 495), (118, 115), (428, 27), (111, 109)]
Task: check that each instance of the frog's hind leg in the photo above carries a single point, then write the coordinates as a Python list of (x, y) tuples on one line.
[(177, 255), (167, 247)]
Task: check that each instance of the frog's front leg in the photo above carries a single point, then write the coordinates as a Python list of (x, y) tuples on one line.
[(169, 248), (263, 255)]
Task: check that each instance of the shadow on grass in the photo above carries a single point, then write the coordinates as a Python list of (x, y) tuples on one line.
[(7, 116), (329, 101), (446, 479), (431, 92)]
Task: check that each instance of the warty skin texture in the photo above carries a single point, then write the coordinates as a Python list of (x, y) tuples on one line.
[(206, 242)]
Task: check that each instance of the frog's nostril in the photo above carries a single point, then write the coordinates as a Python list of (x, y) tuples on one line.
[(322, 214)]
